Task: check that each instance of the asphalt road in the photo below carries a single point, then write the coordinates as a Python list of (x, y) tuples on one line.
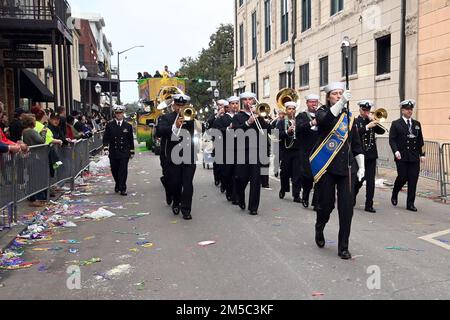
[(270, 256)]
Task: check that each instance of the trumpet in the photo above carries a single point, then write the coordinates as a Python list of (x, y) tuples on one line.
[(380, 115), (187, 114)]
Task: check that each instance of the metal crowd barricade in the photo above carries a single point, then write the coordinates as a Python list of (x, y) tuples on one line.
[(25, 175), (431, 168), (445, 169), (6, 189), (385, 156)]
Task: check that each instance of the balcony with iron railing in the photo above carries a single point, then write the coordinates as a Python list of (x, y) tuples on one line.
[(22, 15)]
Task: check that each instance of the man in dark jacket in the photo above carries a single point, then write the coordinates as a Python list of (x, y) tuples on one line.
[(368, 129), (308, 134), (118, 143), (407, 144), (178, 137), (16, 126)]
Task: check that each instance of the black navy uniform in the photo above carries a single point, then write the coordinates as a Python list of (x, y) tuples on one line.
[(369, 145), (180, 176), (290, 161), (216, 168), (119, 141), (164, 164), (407, 138), (337, 177), (227, 168), (249, 172), (308, 137)]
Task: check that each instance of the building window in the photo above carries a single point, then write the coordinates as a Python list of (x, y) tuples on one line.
[(268, 25), (266, 87), (241, 2), (241, 45), (81, 54), (352, 62), (304, 75), (336, 6), (254, 47), (306, 15), (283, 80), (253, 87), (284, 21), (384, 55), (323, 71)]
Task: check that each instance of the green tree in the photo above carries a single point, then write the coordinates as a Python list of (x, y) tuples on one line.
[(214, 63)]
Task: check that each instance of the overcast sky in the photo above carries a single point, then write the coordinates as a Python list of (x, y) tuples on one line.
[(169, 30)]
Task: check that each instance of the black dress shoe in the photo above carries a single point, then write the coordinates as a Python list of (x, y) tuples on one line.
[(298, 200), (176, 210), (169, 199), (320, 239), (412, 208), (306, 204), (235, 203), (187, 216), (370, 210), (123, 193), (242, 206), (394, 201), (229, 198), (253, 213), (345, 255), (282, 194)]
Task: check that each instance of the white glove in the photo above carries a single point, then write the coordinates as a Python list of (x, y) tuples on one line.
[(338, 107), (360, 159), (398, 155)]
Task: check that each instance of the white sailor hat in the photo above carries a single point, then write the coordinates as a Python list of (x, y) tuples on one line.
[(233, 99), (181, 98), (290, 104), (247, 95), (312, 97), (334, 86), (119, 109), (410, 103), (366, 104), (223, 102)]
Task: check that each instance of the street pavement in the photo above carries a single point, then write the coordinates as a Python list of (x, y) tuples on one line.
[(271, 256)]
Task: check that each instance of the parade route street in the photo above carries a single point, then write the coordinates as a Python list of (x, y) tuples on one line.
[(270, 256)]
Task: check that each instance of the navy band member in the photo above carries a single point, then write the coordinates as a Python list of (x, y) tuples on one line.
[(368, 129), (227, 169), (308, 135), (407, 144), (163, 159), (249, 172), (290, 154), (222, 109), (118, 143), (338, 149), (219, 111), (180, 176)]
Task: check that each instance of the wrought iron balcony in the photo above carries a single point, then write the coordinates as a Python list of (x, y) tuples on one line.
[(36, 15)]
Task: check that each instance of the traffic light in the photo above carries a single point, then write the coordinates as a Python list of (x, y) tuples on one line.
[(198, 81)]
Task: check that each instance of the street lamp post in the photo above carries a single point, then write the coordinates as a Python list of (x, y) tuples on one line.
[(289, 67), (83, 73), (241, 84), (118, 68)]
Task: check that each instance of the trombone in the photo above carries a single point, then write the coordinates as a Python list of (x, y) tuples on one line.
[(263, 110), (380, 115)]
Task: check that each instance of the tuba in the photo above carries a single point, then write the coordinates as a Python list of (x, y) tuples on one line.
[(286, 95), (165, 96)]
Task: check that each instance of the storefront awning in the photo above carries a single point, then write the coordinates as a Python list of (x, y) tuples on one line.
[(31, 87)]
